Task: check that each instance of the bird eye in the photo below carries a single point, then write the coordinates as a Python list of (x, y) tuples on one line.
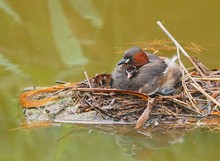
[(127, 60)]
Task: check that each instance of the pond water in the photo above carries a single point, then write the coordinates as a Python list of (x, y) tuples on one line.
[(44, 41)]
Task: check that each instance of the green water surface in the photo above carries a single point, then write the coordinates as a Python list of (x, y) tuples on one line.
[(46, 40)]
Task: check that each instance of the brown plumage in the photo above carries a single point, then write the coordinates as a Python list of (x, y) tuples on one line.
[(145, 72)]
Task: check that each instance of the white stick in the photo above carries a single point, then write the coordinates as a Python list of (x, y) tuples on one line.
[(172, 38), (195, 85), (179, 46), (87, 78)]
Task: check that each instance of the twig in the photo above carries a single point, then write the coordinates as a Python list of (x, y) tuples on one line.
[(203, 68), (194, 84), (185, 87), (61, 82), (193, 116), (208, 79), (172, 38), (103, 122), (184, 83), (67, 134), (185, 105), (87, 78), (188, 94), (137, 94), (205, 94), (98, 110), (168, 111), (111, 103), (180, 47)]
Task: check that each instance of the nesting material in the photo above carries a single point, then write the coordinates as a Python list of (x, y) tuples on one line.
[(78, 103), (195, 103)]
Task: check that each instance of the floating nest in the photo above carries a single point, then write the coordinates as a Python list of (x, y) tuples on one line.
[(196, 103)]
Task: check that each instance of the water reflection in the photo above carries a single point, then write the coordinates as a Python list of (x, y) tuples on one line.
[(140, 147), (68, 44), (7, 65), (87, 11), (66, 41), (9, 10), (140, 144)]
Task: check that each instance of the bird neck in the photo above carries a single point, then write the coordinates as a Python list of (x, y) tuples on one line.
[(140, 59)]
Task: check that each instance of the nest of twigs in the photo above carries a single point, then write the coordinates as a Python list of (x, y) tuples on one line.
[(92, 101), (196, 102)]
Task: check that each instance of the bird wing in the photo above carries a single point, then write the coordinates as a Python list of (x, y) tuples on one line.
[(150, 76), (153, 58)]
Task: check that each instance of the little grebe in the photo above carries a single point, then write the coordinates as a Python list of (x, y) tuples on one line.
[(145, 72)]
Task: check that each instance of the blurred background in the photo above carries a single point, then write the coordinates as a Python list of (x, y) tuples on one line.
[(43, 41)]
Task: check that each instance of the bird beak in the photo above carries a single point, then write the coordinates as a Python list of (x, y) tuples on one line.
[(129, 75), (123, 61)]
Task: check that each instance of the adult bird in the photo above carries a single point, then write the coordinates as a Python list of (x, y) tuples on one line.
[(146, 72)]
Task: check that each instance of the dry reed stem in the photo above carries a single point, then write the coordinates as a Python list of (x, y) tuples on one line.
[(185, 105), (145, 115), (169, 112), (204, 69), (205, 94), (196, 66), (194, 84), (179, 47), (92, 122), (191, 99), (208, 79), (184, 70), (87, 78)]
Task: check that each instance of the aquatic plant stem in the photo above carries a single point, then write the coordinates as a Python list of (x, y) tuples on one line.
[(194, 84), (87, 78), (173, 39), (205, 94), (180, 47)]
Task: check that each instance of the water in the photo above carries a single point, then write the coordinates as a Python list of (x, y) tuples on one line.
[(44, 41)]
